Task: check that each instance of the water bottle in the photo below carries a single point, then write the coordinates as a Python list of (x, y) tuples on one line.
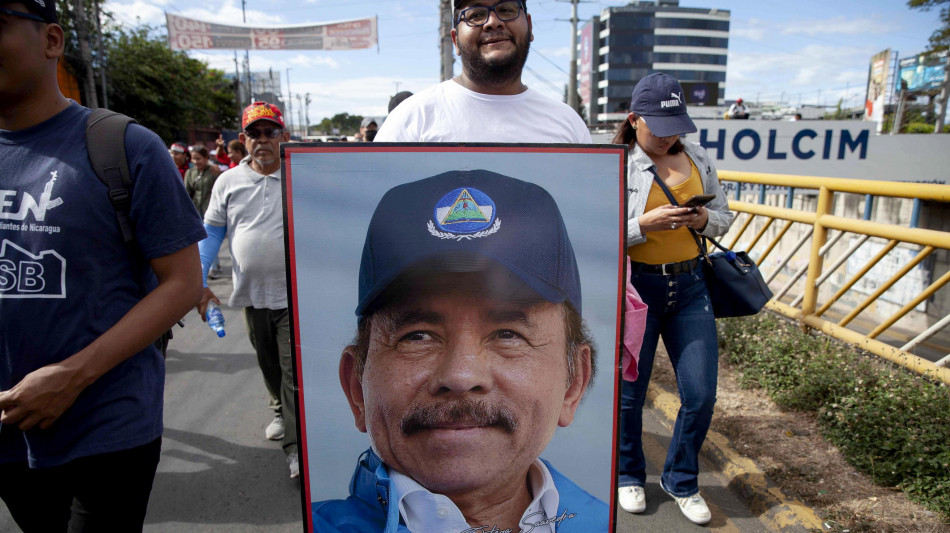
[(215, 318)]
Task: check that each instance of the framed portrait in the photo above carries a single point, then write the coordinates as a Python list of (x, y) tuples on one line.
[(455, 314)]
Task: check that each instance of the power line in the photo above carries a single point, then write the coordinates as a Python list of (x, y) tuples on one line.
[(542, 56), (542, 78)]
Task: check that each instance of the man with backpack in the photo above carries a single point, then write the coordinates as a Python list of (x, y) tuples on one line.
[(92, 276)]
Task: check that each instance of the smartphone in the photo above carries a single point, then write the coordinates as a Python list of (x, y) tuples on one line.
[(698, 200)]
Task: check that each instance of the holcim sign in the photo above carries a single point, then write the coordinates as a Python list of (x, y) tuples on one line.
[(832, 148)]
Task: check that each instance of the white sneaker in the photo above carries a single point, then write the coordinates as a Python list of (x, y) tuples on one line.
[(694, 508), (632, 499), (294, 464), (275, 430)]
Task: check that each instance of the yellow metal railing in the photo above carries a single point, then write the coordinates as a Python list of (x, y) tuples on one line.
[(819, 224)]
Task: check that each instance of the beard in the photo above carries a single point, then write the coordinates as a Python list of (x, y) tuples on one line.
[(495, 71)]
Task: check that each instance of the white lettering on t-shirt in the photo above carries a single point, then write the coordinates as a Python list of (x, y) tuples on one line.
[(28, 204)]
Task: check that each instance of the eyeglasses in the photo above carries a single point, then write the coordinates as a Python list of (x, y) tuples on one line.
[(271, 133), (478, 15), (21, 14)]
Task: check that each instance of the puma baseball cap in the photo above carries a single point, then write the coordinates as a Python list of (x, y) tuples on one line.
[(658, 98)]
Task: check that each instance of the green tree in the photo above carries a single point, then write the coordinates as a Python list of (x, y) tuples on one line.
[(347, 124), (164, 90), (940, 38), (72, 56), (581, 109)]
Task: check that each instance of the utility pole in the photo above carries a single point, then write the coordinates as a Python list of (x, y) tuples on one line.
[(247, 58), (306, 110), (290, 104), (572, 77), (446, 47), (240, 86), (82, 32), (899, 114), (300, 113)]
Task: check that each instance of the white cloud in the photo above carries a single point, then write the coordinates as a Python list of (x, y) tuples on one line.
[(309, 61), (839, 26), (797, 74), (138, 12), (753, 30), (564, 51), (367, 96), (759, 30), (153, 12)]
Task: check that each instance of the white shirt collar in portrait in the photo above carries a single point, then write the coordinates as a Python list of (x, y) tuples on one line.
[(425, 512)]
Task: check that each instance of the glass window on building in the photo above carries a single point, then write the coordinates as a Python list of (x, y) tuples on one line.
[(619, 58), (696, 75), (626, 74), (694, 59), (631, 23), (693, 24), (630, 39), (620, 90), (683, 40)]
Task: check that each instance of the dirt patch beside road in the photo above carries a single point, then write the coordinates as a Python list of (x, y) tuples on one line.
[(789, 448)]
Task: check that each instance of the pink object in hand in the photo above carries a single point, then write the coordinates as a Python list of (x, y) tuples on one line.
[(634, 325)]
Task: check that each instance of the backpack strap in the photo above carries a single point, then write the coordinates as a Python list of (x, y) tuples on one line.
[(105, 142)]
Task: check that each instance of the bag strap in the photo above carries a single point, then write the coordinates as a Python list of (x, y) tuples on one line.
[(105, 143), (694, 233)]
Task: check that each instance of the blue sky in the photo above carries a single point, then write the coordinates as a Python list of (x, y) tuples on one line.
[(808, 51)]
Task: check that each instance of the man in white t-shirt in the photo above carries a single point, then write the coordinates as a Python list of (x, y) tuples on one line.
[(487, 102)]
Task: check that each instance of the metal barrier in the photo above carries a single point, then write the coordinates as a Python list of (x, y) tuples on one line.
[(819, 224)]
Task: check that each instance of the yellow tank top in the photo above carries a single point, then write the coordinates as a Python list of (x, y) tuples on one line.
[(669, 246)]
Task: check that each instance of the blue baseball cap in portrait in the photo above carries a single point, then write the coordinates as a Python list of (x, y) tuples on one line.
[(451, 221)]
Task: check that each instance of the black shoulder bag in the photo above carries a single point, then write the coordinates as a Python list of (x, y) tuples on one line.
[(735, 285)]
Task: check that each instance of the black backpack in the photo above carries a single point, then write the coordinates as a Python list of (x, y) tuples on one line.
[(107, 156)]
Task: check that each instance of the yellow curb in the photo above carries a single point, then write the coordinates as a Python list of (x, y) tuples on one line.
[(775, 510)]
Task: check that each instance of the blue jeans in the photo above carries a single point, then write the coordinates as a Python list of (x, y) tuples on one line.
[(680, 311)]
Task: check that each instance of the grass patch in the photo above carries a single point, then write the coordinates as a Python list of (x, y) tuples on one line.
[(890, 423)]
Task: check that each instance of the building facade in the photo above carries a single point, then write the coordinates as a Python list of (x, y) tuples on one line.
[(626, 43)]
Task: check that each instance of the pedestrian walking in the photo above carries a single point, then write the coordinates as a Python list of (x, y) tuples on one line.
[(83, 313), (666, 270), (246, 206)]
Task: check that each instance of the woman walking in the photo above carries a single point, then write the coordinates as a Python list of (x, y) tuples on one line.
[(666, 269)]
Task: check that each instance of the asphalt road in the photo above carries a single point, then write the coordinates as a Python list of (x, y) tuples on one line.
[(219, 474)]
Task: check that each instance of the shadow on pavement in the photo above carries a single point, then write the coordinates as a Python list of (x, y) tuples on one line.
[(204, 479), (218, 363)]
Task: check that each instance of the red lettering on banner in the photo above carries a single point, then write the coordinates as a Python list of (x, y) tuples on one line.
[(189, 25), (186, 42), (362, 28), (267, 39)]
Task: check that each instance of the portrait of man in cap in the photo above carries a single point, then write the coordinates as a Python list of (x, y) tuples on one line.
[(470, 356)]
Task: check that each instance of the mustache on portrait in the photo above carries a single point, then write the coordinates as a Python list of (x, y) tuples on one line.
[(471, 412)]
